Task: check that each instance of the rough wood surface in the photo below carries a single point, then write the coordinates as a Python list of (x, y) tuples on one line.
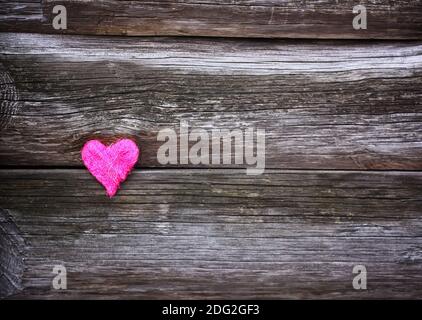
[(12, 256), (399, 19), (218, 233), (324, 105), (9, 99)]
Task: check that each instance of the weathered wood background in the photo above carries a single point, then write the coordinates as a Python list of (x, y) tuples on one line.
[(343, 118), (387, 19)]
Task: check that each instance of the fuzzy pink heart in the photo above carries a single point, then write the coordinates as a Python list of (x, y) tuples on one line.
[(110, 165)]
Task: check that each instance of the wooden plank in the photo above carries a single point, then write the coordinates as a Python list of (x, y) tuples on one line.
[(21, 15), (400, 19), (324, 105), (216, 233)]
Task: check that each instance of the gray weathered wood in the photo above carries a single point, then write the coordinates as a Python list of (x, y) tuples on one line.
[(12, 253), (324, 105), (218, 233), (399, 19), (9, 99)]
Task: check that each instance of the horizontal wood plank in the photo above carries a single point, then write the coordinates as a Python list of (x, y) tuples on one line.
[(324, 105), (400, 19), (215, 233)]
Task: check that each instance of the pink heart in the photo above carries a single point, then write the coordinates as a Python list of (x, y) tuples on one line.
[(110, 165)]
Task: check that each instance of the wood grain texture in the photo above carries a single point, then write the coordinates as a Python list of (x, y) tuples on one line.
[(324, 105), (218, 233), (9, 99), (400, 19), (12, 256)]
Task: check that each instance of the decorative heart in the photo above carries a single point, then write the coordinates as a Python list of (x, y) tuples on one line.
[(110, 165)]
